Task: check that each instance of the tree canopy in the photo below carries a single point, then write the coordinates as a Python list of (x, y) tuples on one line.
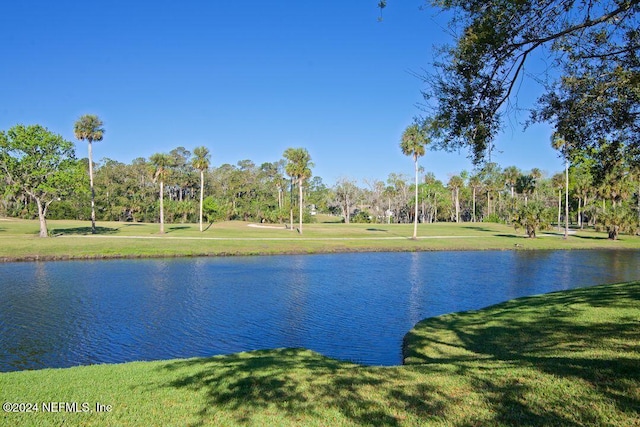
[(41, 164), (593, 49)]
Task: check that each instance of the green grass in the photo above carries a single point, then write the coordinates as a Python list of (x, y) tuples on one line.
[(570, 358), (72, 239)]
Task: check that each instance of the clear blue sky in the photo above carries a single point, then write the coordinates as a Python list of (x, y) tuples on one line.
[(247, 79)]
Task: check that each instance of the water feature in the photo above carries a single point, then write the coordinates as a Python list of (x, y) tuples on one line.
[(349, 306)]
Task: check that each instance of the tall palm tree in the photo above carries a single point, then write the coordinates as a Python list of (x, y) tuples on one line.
[(557, 181), (475, 182), (559, 143), (413, 143), (201, 162), (89, 128), (511, 174), (162, 163), (455, 183), (298, 168)]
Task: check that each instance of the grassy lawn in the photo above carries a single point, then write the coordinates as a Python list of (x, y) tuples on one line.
[(569, 358), (72, 239)]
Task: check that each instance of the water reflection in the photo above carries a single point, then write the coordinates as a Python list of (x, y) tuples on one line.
[(349, 306)]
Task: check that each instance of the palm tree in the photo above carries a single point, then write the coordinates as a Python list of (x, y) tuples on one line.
[(413, 143), (89, 128), (201, 162), (525, 185), (536, 174), (557, 181), (475, 182), (162, 162), (511, 174), (455, 183), (559, 143), (298, 168)]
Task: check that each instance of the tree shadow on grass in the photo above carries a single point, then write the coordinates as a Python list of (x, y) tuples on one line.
[(298, 386), (82, 231), (178, 227), (586, 340), (478, 228), (578, 236)]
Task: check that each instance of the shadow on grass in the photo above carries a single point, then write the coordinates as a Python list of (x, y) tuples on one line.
[(178, 227), (478, 228), (82, 231), (378, 229), (578, 236), (299, 385), (587, 339)]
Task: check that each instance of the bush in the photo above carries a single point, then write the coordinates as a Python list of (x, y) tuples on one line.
[(620, 219), (494, 217), (532, 217), (362, 217)]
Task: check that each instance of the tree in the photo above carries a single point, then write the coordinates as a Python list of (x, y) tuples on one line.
[(561, 144), (162, 163), (413, 143), (89, 128), (41, 164), (532, 217), (346, 193), (298, 168), (475, 182), (558, 182), (582, 187), (511, 174), (593, 44), (493, 182), (619, 219), (201, 162), (525, 184), (455, 183)]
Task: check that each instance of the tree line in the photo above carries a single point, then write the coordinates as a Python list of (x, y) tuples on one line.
[(43, 178)]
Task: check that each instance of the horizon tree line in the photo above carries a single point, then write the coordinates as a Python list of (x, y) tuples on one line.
[(183, 187)]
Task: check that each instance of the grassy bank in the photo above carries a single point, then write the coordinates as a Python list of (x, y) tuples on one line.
[(72, 239), (568, 359)]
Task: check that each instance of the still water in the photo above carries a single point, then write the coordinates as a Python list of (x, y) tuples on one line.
[(349, 306)]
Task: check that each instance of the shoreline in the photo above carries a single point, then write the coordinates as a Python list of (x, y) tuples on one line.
[(108, 257)]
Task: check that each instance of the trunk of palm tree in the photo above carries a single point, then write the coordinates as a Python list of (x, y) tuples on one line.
[(415, 219), (300, 203), (291, 205), (161, 207), (474, 205), (566, 198), (93, 194), (579, 218), (488, 204), (201, 195), (559, 207), (457, 204)]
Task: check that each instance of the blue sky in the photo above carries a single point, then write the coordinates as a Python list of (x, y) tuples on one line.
[(247, 79)]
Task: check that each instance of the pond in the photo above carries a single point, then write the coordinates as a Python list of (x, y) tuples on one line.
[(353, 307)]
